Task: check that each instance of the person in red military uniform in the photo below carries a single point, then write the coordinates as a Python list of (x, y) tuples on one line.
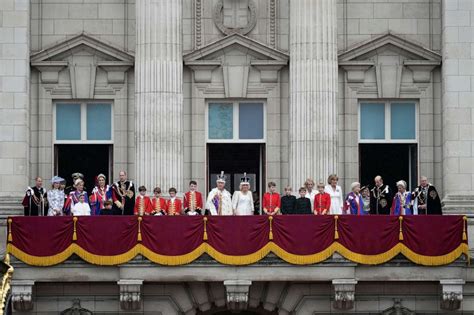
[(174, 205), (193, 200), (322, 201), (158, 204), (143, 203), (271, 200)]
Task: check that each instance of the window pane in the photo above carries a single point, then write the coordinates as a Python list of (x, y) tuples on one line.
[(403, 124), (250, 121), (68, 122), (99, 124), (220, 121), (372, 121)]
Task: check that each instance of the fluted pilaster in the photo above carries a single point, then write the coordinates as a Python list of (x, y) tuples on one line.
[(159, 94), (313, 88)]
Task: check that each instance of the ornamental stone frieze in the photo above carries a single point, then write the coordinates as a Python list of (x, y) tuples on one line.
[(130, 294), (22, 295), (452, 294), (237, 293), (344, 293)]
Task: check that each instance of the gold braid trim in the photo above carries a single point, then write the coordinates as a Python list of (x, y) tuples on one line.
[(242, 259), (6, 280)]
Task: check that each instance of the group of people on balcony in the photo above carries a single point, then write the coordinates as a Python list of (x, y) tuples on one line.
[(120, 199)]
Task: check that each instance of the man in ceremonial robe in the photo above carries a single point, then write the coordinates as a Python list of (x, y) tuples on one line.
[(380, 197), (193, 200), (35, 200), (219, 201), (123, 195), (426, 198)]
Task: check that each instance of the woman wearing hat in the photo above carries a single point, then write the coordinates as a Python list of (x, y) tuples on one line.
[(73, 196), (55, 197), (242, 201), (100, 194), (354, 203)]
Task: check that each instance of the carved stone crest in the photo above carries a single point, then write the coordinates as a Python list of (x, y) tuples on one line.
[(234, 16)]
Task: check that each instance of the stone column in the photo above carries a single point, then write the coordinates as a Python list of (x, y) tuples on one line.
[(14, 97), (159, 94), (313, 88), (457, 109)]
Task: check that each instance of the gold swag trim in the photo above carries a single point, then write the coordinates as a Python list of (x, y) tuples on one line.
[(236, 260)]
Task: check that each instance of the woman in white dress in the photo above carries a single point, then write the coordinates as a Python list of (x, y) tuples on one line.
[(242, 201), (335, 191), (56, 197)]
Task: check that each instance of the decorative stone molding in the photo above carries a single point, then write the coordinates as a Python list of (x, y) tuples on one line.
[(421, 69), (356, 70), (130, 294), (49, 70), (76, 309), (272, 23), (197, 24), (115, 70), (397, 309), (268, 69), (22, 295), (344, 293), (203, 69), (228, 30), (237, 294), (451, 296)]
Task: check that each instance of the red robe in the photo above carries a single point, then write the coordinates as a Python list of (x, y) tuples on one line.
[(189, 201), (322, 203), (271, 202), (142, 204), (175, 207), (158, 205)]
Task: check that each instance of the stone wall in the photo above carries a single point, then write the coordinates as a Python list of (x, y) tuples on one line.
[(458, 97), (14, 91)]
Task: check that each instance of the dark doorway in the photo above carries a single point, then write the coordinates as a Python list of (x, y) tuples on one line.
[(392, 161), (234, 160), (88, 159)]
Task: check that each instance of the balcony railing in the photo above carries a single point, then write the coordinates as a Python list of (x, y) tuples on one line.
[(238, 240)]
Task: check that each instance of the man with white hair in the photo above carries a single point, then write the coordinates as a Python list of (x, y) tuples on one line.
[(219, 201), (380, 197), (426, 198)]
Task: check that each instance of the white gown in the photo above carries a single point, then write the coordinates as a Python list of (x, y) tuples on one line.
[(226, 206), (81, 208), (243, 203), (337, 201)]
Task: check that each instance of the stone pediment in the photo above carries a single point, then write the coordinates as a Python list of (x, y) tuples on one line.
[(82, 42), (388, 58), (237, 42), (379, 45), (236, 55), (82, 56)]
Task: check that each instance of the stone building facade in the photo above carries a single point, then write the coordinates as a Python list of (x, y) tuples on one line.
[(353, 87)]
